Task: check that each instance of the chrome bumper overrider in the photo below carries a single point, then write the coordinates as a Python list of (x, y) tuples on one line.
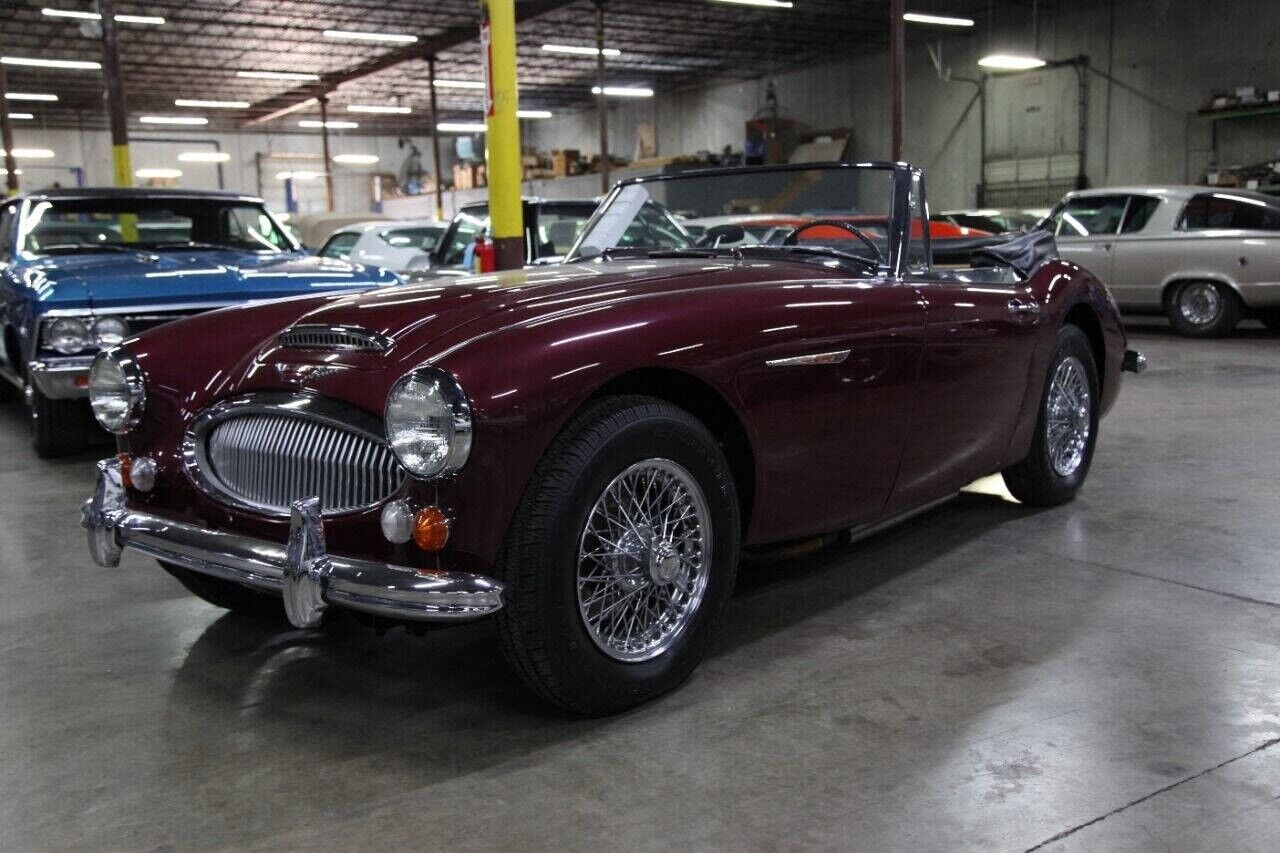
[(307, 576), (1133, 362)]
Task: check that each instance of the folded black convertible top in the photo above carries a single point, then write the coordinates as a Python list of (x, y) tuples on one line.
[(1022, 252)]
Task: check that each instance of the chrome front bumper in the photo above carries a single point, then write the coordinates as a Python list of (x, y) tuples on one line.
[(302, 571), (62, 378)]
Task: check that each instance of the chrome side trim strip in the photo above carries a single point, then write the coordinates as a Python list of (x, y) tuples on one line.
[(833, 357), (303, 572)]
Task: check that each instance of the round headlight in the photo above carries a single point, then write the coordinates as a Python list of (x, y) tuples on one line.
[(117, 390), (69, 336), (110, 331), (428, 423)]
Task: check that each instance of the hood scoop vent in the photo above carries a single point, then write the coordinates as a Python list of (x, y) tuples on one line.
[(334, 338)]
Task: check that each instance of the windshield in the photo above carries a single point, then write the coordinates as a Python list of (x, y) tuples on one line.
[(425, 237), (750, 209), (62, 226)]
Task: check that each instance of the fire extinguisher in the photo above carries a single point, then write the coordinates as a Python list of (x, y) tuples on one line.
[(486, 255)]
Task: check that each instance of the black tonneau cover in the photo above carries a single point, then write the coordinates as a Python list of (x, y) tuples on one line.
[(1021, 252)]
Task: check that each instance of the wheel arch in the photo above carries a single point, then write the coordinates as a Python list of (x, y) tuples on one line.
[(1177, 279), (1084, 317), (702, 400)]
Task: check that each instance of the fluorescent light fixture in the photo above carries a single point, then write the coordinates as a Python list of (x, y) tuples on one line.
[(461, 127), (277, 75), (1010, 62), (458, 84), (356, 159), (21, 116), (154, 20), (624, 91), (936, 20), (298, 176), (398, 38), (378, 108), (212, 105), (331, 124), (30, 153), (768, 4), (173, 119), (30, 96), (94, 16), (158, 173), (580, 50), (30, 62), (203, 157), (4, 171), (533, 113)]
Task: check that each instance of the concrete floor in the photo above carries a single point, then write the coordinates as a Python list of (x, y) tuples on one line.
[(1105, 675)]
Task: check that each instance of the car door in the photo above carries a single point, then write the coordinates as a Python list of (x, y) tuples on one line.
[(978, 339), (1139, 256), (1086, 227)]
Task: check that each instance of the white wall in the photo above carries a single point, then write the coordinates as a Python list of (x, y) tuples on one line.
[(1169, 56)]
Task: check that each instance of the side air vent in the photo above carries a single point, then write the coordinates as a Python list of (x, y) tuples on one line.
[(342, 338)]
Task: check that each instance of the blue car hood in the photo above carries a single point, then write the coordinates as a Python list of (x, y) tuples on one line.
[(195, 276)]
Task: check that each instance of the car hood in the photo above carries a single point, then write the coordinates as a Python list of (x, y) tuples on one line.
[(205, 276)]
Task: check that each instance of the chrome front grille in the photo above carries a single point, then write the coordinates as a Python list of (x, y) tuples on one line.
[(344, 338), (264, 457)]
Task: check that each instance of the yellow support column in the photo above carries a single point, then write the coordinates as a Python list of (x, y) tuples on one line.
[(502, 134)]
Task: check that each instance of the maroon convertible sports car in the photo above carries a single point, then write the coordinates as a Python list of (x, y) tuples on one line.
[(581, 451)]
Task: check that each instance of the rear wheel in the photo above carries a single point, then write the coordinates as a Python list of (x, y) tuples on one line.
[(1066, 429), (1203, 309), (228, 595), (620, 558), (59, 427)]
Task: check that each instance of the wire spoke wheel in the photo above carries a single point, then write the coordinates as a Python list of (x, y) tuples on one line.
[(1068, 417), (643, 560)]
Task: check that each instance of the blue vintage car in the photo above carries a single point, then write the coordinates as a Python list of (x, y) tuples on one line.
[(82, 269)]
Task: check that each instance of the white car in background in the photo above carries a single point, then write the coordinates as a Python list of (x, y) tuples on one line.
[(391, 244), (1204, 256)]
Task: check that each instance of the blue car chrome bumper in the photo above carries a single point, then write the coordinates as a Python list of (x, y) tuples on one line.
[(302, 571)]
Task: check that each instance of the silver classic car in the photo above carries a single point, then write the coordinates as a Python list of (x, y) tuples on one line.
[(1204, 256)]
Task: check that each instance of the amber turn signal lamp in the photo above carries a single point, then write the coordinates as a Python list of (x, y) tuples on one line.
[(430, 529), (126, 468)]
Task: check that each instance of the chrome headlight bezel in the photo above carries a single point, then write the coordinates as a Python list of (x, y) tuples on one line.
[(83, 339), (132, 382), (104, 339), (454, 411)]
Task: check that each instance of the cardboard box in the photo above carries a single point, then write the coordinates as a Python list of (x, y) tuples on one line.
[(565, 163)]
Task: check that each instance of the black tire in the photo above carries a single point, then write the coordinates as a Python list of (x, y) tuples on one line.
[(1034, 481), (9, 393), (1203, 309), (543, 633), (59, 427), (228, 595)]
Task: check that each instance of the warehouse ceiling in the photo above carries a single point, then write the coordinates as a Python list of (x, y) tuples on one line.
[(202, 45)]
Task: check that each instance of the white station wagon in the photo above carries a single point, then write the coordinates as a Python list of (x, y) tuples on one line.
[(1204, 256)]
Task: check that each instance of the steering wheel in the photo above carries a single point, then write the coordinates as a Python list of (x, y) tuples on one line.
[(794, 237)]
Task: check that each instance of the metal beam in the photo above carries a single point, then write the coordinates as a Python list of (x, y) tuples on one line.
[(602, 106), (324, 147), (502, 136), (432, 45), (435, 137), (117, 111), (6, 136), (897, 74)]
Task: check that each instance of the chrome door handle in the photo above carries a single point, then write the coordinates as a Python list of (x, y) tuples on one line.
[(1020, 308)]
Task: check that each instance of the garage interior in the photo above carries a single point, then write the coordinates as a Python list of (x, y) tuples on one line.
[(1098, 676)]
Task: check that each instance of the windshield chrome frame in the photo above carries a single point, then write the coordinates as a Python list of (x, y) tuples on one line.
[(903, 176)]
